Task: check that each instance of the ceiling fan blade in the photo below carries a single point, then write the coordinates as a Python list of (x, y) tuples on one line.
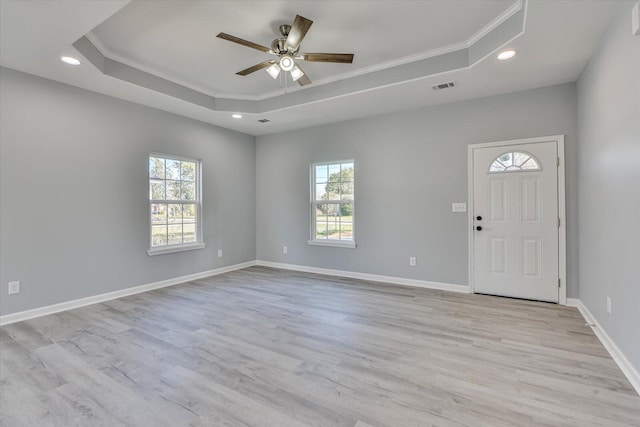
[(297, 32), (243, 42), (255, 68), (304, 80), (344, 58)]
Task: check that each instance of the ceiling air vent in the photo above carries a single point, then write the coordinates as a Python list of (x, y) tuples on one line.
[(443, 86), (264, 120)]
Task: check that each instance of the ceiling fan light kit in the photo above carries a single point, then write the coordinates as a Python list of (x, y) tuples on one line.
[(286, 48), (286, 63), (296, 73), (274, 71)]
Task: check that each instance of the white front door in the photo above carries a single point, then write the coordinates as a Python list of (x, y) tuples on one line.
[(515, 221)]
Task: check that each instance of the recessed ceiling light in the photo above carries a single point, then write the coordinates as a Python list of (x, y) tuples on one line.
[(507, 54), (69, 60), (236, 116)]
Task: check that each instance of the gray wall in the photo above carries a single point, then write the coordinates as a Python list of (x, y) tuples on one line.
[(410, 167), (609, 191), (73, 193)]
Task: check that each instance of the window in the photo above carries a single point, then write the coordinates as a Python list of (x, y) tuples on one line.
[(175, 204), (515, 161), (332, 204)]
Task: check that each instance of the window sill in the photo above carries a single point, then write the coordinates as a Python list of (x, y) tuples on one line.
[(172, 249), (332, 243)]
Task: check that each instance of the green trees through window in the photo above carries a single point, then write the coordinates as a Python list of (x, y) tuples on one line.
[(173, 200), (333, 201)]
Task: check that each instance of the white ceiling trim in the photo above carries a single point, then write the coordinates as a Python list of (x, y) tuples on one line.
[(495, 23), (508, 13), (510, 27), (554, 46), (385, 86), (109, 54), (492, 25)]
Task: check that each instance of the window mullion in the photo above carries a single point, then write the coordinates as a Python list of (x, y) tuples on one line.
[(325, 202)]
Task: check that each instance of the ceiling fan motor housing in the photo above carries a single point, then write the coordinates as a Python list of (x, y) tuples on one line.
[(278, 46)]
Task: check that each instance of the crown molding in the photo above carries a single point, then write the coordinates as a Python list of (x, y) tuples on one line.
[(494, 24)]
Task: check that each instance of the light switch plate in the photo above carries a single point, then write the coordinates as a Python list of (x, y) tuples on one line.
[(459, 207), (14, 287)]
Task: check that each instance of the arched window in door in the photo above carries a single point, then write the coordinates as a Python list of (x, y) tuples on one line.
[(514, 161)]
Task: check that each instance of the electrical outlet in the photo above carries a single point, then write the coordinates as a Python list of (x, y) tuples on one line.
[(14, 288), (219, 253), (609, 305), (285, 250), (412, 261)]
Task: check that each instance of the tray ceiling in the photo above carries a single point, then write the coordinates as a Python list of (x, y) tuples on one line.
[(164, 54), (177, 40)]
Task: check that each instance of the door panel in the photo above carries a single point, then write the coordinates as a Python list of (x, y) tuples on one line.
[(516, 250), (498, 255), (531, 203), (531, 258), (498, 201)]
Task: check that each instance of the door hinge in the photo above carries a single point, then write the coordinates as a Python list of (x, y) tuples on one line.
[(558, 162), (558, 282), (558, 222)]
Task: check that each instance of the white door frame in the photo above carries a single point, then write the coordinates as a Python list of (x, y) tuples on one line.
[(562, 229)]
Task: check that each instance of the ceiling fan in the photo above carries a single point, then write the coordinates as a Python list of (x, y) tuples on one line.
[(286, 48)]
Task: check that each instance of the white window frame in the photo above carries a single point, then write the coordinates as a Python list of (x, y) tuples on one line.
[(515, 168), (351, 244), (198, 244)]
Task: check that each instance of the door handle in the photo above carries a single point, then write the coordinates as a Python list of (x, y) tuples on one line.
[(479, 228)]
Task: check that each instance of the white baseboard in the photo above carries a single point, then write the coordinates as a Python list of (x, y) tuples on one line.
[(69, 305), (365, 276), (627, 368), (616, 354), (573, 302)]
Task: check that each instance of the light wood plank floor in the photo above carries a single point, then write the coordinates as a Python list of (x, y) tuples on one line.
[(263, 347)]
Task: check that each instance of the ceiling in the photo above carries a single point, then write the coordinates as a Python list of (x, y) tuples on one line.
[(178, 39), (164, 54)]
